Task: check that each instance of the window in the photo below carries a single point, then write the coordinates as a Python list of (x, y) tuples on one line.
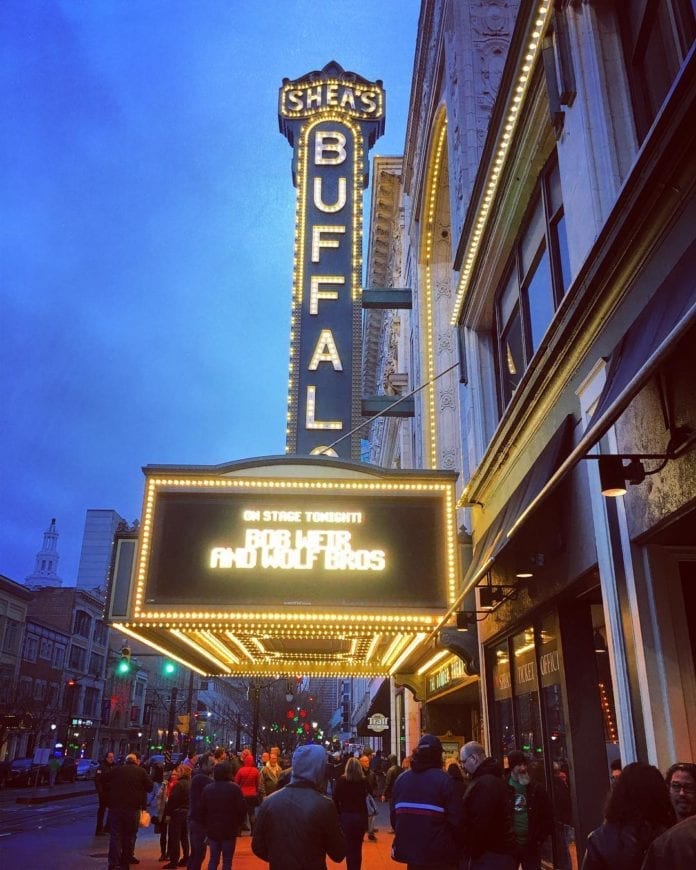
[(91, 703), (96, 665), (39, 690), (537, 278), (58, 656), (31, 647), (656, 36), (46, 649), (82, 624), (101, 633), (77, 658), (203, 686), (11, 643), (52, 695)]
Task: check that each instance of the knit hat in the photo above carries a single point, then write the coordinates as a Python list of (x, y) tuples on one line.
[(516, 757), (429, 743)]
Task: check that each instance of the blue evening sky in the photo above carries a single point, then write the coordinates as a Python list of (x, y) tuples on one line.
[(147, 219)]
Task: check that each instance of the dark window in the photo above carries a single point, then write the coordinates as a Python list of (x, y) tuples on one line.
[(83, 623), (537, 279), (656, 36)]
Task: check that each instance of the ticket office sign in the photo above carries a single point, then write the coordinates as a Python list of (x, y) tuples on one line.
[(320, 550)]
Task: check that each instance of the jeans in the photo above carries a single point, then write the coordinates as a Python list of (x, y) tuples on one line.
[(123, 827), (100, 816), (197, 845), (224, 847), (354, 826)]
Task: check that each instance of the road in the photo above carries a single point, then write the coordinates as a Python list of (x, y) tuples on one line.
[(59, 835)]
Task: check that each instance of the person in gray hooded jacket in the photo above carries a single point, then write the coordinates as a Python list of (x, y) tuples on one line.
[(297, 826)]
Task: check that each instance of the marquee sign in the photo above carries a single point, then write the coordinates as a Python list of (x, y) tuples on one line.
[(331, 118)]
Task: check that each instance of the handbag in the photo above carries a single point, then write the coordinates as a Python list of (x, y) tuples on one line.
[(144, 819), (371, 805)]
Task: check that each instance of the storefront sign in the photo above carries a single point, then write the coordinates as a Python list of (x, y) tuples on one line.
[(331, 118), (378, 723)]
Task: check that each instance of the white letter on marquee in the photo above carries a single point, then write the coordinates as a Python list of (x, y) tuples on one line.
[(319, 202), (318, 242), (310, 422), (333, 142), (315, 294), (326, 351)]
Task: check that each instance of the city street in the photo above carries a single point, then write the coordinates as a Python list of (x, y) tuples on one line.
[(59, 835)]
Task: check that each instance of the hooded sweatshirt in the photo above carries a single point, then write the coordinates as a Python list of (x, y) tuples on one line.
[(247, 777), (308, 765)]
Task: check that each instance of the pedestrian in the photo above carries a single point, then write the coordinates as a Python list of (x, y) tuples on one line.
[(297, 826), (681, 782), (53, 768), (454, 770), (100, 778), (563, 816), (371, 779), (394, 770), (488, 838), (269, 774), (127, 787), (350, 796), (532, 814), (247, 778), (222, 810), (176, 813), (638, 810), (675, 849), (426, 812), (201, 778)]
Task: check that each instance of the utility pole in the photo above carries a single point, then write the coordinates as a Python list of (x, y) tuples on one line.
[(172, 716)]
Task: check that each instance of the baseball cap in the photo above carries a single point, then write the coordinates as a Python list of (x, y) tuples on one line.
[(429, 742)]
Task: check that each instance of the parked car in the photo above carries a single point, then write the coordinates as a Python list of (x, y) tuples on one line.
[(22, 772), (67, 772), (86, 768)]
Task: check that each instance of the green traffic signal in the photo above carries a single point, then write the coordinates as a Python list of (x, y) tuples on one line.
[(123, 667), (168, 669)]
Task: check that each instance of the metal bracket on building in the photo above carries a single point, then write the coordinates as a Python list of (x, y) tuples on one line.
[(413, 682), (462, 644), (387, 297)]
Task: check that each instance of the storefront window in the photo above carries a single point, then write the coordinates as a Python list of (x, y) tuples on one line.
[(526, 692), (503, 727)]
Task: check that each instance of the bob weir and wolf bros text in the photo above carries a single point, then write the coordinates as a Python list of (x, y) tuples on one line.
[(298, 549)]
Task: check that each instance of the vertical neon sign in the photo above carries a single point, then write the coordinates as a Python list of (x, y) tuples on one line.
[(331, 118)]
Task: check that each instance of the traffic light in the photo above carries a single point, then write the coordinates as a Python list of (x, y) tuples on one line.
[(168, 668), (124, 665)]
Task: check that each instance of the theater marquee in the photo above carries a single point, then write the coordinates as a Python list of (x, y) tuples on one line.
[(317, 561)]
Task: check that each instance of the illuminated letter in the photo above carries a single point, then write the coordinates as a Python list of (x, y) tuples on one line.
[(315, 294), (340, 202), (318, 242), (314, 96), (294, 101), (332, 95), (348, 99), (326, 351), (368, 100), (310, 422), (330, 141)]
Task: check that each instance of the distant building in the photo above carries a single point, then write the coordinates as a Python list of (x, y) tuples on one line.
[(46, 567), (97, 540), (14, 601)]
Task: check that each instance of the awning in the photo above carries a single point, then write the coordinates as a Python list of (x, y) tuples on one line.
[(669, 313), (508, 519), (377, 723)]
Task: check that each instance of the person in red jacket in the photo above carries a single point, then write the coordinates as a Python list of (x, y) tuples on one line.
[(247, 778)]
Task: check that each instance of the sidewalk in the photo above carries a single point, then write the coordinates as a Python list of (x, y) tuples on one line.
[(375, 856)]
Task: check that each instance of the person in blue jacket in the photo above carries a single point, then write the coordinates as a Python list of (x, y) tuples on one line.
[(426, 812)]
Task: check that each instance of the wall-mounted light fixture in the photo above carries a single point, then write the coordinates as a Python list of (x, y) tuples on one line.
[(618, 469)]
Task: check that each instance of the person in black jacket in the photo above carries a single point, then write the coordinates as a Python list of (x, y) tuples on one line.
[(638, 810), (426, 812), (100, 780), (532, 814), (489, 841), (127, 787), (222, 812), (350, 794), (176, 813)]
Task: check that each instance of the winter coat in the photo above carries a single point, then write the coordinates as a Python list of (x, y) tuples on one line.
[(487, 812), (617, 847), (199, 782), (426, 814), (675, 849), (296, 827), (222, 810), (127, 786), (269, 779), (101, 778), (349, 796), (178, 797), (247, 778)]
